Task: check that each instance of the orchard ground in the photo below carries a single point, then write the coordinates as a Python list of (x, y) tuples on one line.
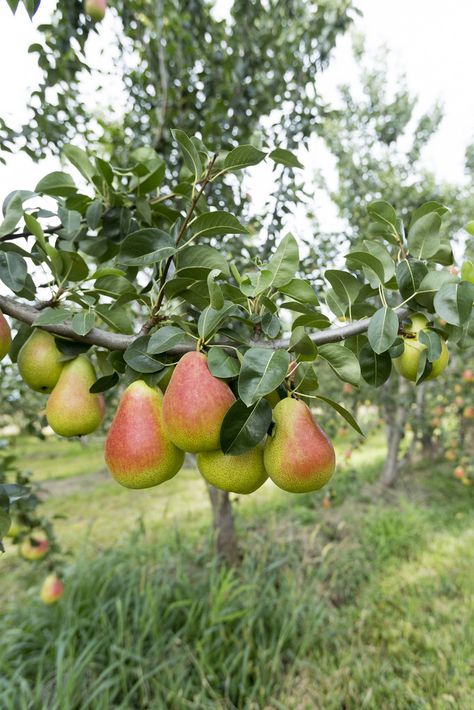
[(365, 604)]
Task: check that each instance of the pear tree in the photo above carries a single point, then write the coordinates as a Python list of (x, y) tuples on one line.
[(126, 270)]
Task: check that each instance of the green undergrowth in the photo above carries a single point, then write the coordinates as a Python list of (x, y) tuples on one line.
[(365, 605)]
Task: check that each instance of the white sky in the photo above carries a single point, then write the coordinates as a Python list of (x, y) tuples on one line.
[(430, 41)]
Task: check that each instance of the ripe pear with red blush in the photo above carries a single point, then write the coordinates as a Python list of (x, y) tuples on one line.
[(95, 9), (195, 404), (298, 456), (71, 409), (138, 451), (5, 336), (34, 547), (52, 589)]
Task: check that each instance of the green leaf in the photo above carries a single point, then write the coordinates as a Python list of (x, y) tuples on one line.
[(383, 329), (345, 285), (201, 257), (94, 213), (342, 411), (302, 345), (470, 227), (467, 271), (244, 427), (221, 364), (104, 383), (410, 274), (243, 157), (83, 322), (426, 208), (383, 256), (52, 316), (433, 343), (189, 152), (285, 157), (430, 284), (271, 325), (453, 302), (211, 224), (261, 373), (210, 319), (215, 294), (73, 267), (146, 247), (301, 291), (342, 361), (56, 184), (284, 261), (13, 270), (423, 237), (362, 259), (80, 160), (138, 358), (306, 379), (384, 213), (375, 369), (256, 282), (114, 286), (13, 214), (166, 338), (116, 317)]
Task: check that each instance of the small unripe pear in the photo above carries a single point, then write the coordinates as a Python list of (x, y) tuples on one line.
[(39, 361), (34, 547), (407, 363), (71, 409), (15, 529), (95, 9), (5, 336), (52, 589), (243, 473)]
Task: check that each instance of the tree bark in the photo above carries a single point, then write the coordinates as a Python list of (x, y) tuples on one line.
[(227, 549), (396, 408)]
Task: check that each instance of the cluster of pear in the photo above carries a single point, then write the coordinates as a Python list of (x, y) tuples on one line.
[(151, 432), (71, 409), (407, 363)]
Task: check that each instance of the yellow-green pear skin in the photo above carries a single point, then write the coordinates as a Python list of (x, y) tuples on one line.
[(5, 336), (34, 547), (39, 362), (71, 409), (195, 404), (138, 451), (298, 457), (52, 589), (243, 473), (407, 363)]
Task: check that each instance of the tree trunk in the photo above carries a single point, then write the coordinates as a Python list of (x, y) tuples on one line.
[(396, 408), (227, 549)]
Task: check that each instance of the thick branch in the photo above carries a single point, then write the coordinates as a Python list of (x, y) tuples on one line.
[(115, 341)]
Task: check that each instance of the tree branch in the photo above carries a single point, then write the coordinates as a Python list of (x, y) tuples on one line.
[(26, 233), (116, 341)]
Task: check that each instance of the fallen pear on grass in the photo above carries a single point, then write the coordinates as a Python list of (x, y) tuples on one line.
[(243, 473), (195, 404), (39, 362), (5, 336), (52, 589), (138, 451), (298, 457), (71, 409), (407, 363)]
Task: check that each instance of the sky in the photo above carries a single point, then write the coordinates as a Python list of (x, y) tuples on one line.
[(429, 41)]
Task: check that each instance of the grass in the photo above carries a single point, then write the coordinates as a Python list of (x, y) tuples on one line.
[(365, 605)]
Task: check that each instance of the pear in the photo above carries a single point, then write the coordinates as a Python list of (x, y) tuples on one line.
[(138, 452), (5, 336), (52, 589), (243, 473), (299, 457), (15, 529), (407, 363), (39, 361), (34, 547), (194, 405), (71, 409), (95, 9)]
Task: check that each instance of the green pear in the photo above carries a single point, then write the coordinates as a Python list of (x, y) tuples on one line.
[(195, 404), (138, 452), (15, 529), (243, 473), (39, 361), (95, 9), (407, 363), (71, 409), (298, 457), (5, 336)]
